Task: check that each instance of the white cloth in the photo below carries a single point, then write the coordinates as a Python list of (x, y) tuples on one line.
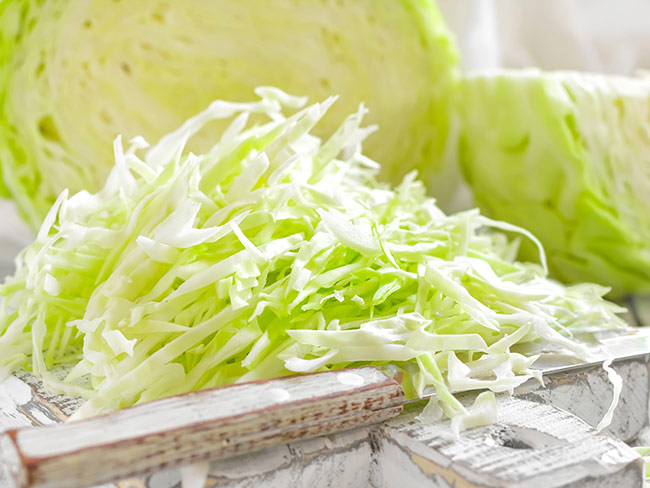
[(602, 36)]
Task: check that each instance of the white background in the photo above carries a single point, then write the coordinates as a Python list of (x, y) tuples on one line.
[(605, 36)]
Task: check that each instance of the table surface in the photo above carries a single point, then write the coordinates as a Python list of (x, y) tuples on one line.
[(542, 437)]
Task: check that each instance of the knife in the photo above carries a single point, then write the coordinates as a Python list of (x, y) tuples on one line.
[(222, 422)]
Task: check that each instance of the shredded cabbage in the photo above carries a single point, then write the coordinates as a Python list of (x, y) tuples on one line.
[(275, 253)]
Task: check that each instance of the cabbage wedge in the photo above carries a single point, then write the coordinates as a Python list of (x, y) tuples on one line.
[(75, 74), (567, 155)]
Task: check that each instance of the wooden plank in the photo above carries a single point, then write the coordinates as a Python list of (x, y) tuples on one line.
[(346, 459), (208, 424), (531, 444), (587, 393)]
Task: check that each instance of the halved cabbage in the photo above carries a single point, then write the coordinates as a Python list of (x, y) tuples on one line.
[(566, 155), (74, 75)]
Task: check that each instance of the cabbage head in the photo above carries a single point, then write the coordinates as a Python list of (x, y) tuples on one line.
[(75, 74), (567, 155)]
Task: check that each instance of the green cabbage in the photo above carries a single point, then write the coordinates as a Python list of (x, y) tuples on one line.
[(275, 253), (75, 74), (568, 156)]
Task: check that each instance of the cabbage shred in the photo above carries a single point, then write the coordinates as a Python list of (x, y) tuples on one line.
[(275, 253)]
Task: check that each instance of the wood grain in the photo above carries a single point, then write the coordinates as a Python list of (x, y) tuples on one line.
[(208, 424), (530, 445)]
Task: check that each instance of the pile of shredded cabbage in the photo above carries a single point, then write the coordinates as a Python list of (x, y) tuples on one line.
[(276, 253)]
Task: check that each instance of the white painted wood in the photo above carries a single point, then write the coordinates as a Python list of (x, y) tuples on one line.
[(308, 396), (14, 394), (56, 407), (207, 424), (587, 392), (531, 444), (347, 459)]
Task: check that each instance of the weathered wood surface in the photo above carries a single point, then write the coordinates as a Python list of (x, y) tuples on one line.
[(587, 393), (208, 424), (405, 452), (531, 444)]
